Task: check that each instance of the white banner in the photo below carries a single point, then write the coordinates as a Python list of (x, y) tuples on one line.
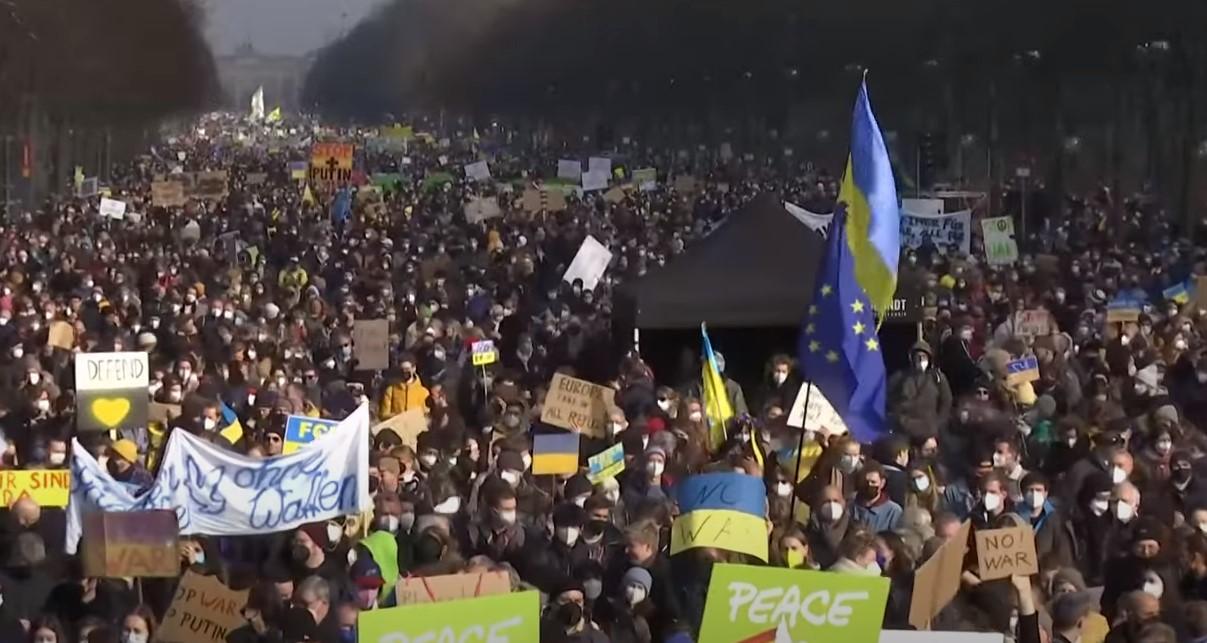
[(479, 171), (589, 263), (568, 169), (112, 208), (818, 222), (943, 230), (219, 493)]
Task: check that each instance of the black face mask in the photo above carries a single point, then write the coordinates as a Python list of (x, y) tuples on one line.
[(1181, 475), (568, 615)]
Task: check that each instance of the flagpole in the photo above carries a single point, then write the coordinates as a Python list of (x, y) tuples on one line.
[(800, 448)]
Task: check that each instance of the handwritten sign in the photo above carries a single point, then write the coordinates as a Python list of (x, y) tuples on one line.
[(256, 178), (1022, 370), (484, 353), (938, 579), (770, 604), (1000, 246), (578, 405), (301, 430), (1002, 553), (371, 344), (606, 464), (331, 162), (818, 416), (594, 180), (48, 488), (112, 209), (722, 510), (504, 618), (203, 611), (944, 231), (599, 164), (1033, 323), (451, 587), (131, 544), (168, 194), (111, 390), (210, 186), (589, 264)]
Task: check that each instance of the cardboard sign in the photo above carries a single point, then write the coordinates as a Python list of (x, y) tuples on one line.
[(608, 463), (168, 194), (112, 209), (1033, 323), (773, 604), (1200, 293), (408, 425), (434, 589), (48, 488), (938, 579), (543, 200), (589, 264), (1022, 370), (331, 163), (505, 618), (820, 415), (60, 334), (482, 208), (615, 195), (211, 186), (1002, 553), (301, 430), (484, 353), (125, 544), (371, 344), (203, 611), (162, 413), (578, 405), (111, 390)]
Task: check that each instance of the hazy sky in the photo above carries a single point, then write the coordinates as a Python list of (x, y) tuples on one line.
[(280, 26)]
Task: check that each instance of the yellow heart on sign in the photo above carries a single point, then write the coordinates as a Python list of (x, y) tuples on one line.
[(111, 412)]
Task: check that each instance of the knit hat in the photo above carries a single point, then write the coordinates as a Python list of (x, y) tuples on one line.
[(126, 450), (569, 514), (655, 450), (317, 532), (638, 576), (578, 485)]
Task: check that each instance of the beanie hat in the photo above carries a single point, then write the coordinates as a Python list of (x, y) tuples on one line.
[(569, 514), (578, 485), (655, 450), (638, 576)]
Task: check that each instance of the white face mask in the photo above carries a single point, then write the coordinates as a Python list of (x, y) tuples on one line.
[(921, 483), (1124, 512), (665, 405), (210, 424), (992, 502), (615, 427), (1000, 461), (580, 501), (634, 594), (56, 457), (832, 511), (34, 378), (1118, 475), (567, 535), (848, 463), (510, 477), (43, 405), (655, 468), (527, 461), (783, 489), (1035, 499), (507, 517), (779, 378), (695, 416), (427, 460), (334, 533), (923, 364), (450, 506), (1099, 507), (1164, 446)]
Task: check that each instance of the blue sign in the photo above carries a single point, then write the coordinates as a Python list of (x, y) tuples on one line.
[(300, 430)]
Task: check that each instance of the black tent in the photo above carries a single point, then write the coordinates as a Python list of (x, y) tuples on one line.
[(754, 271)]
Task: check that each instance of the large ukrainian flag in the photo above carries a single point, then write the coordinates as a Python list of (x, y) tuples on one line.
[(716, 399), (869, 193)]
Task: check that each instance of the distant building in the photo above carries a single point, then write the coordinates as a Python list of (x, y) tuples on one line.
[(281, 76)]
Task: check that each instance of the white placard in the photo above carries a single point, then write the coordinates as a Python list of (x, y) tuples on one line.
[(817, 222), (595, 180), (922, 207), (1000, 246), (110, 371), (112, 208), (589, 263), (569, 169), (481, 209), (479, 171), (220, 493), (599, 164), (943, 230), (820, 415)]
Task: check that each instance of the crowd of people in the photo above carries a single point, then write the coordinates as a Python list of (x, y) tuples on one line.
[(1102, 456)]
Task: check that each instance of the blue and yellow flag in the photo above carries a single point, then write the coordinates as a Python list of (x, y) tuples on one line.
[(873, 220), (274, 116), (716, 399), (234, 428), (1178, 293), (721, 510), (839, 348)]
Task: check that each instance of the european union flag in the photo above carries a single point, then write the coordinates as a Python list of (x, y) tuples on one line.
[(839, 349)]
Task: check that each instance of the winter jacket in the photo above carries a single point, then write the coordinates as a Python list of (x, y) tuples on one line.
[(401, 397)]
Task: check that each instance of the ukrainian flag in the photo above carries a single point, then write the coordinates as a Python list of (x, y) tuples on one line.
[(234, 428), (716, 399), (554, 453), (274, 116), (721, 510), (1178, 293), (869, 194)]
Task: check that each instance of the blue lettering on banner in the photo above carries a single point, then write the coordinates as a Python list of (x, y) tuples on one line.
[(733, 491)]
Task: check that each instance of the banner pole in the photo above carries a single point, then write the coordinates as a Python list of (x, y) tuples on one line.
[(800, 449)]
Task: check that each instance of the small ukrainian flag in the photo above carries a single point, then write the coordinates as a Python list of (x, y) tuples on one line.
[(554, 453)]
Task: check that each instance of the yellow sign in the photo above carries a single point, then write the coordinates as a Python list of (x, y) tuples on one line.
[(484, 352), (331, 162), (47, 488)]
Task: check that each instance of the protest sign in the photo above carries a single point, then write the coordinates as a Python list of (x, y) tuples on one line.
[(548, 200), (255, 178), (450, 587), (1023, 370), (331, 163), (504, 618), (1006, 552), (371, 344), (608, 463), (168, 194), (1122, 310), (1033, 323), (112, 209), (771, 604), (578, 405), (1000, 246), (646, 179), (482, 208), (203, 611), (297, 170), (89, 187), (589, 264), (554, 453), (210, 186), (60, 334), (48, 488), (722, 510), (1178, 293), (820, 415), (937, 580), (922, 207), (595, 180), (301, 430), (220, 493), (599, 164), (131, 544), (162, 413), (477, 171), (571, 170), (407, 425), (615, 195), (484, 353), (111, 390), (943, 231)]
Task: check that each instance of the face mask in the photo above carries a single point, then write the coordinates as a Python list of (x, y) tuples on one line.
[(1099, 507), (634, 594), (695, 416), (210, 424), (507, 517), (450, 506), (388, 523), (1071, 441), (1118, 475), (175, 396), (527, 460), (1202, 377), (580, 501), (992, 502), (427, 460), (1164, 446), (848, 463), (665, 405), (199, 558), (592, 588), (921, 483), (783, 489), (134, 637), (43, 405), (654, 468), (57, 458), (779, 378), (923, 364), (831, 511), (999, 461), (1124, 512), (1034, 499), (567, 535), (510, 477)]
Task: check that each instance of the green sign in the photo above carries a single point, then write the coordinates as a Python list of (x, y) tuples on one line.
[(503, 618), (780, 604)]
